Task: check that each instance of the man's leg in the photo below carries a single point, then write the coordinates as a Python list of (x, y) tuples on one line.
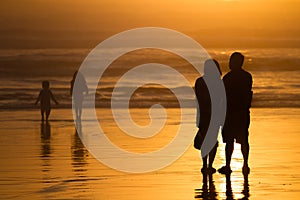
[(245, 147), (245, 151), (228, 152)]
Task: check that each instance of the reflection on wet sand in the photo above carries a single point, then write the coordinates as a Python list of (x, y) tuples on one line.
[(45, 145), (208, 190), (79, 152), (219, 186), (245, 191), (229, 193), (79, 155)]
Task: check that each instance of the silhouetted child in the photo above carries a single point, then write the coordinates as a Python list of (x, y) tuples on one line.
[(45, 97)]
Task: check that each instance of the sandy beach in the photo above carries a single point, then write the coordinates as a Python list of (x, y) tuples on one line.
[(40, 161)]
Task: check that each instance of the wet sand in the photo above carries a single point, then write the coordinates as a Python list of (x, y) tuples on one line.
[(40, 161)]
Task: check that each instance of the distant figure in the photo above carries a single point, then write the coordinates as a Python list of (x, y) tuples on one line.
[(238, 87), (204, 102), (45, 97), (78, 93)]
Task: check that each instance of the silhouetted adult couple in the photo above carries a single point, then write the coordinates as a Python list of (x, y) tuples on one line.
[(238, 88)]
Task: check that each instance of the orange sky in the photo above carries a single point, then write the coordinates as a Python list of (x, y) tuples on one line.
[(212, 22)]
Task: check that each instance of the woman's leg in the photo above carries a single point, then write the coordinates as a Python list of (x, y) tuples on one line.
[(204, 166), (212, 155), (228, 151)]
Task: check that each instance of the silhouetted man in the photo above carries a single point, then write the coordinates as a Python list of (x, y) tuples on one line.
[(238, 86)]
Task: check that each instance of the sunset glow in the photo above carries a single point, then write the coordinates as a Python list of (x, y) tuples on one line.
[(211, 22)]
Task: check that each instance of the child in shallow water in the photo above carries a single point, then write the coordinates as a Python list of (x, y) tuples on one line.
[(44, 98)]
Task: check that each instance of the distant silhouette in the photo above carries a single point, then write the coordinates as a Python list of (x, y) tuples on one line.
[(78, 93), (45, 97), (204, 103), (208, 190), (238, 87)]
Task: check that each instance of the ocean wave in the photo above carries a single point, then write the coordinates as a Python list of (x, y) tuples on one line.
[(142, 98), (17, 62)]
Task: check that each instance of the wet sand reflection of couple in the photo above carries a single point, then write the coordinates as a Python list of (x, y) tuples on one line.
[(208, 189)]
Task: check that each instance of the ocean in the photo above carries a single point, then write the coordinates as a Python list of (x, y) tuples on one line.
[(275, 74)]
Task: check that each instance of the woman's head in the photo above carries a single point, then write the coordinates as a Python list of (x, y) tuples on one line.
[(212, 67)]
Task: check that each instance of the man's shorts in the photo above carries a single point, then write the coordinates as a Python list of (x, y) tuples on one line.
[(236, 127)]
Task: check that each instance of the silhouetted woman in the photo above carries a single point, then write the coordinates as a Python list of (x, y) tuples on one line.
[(78, 88), (204, 102)]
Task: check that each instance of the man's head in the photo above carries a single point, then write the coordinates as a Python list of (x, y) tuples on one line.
[(236, 61)]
